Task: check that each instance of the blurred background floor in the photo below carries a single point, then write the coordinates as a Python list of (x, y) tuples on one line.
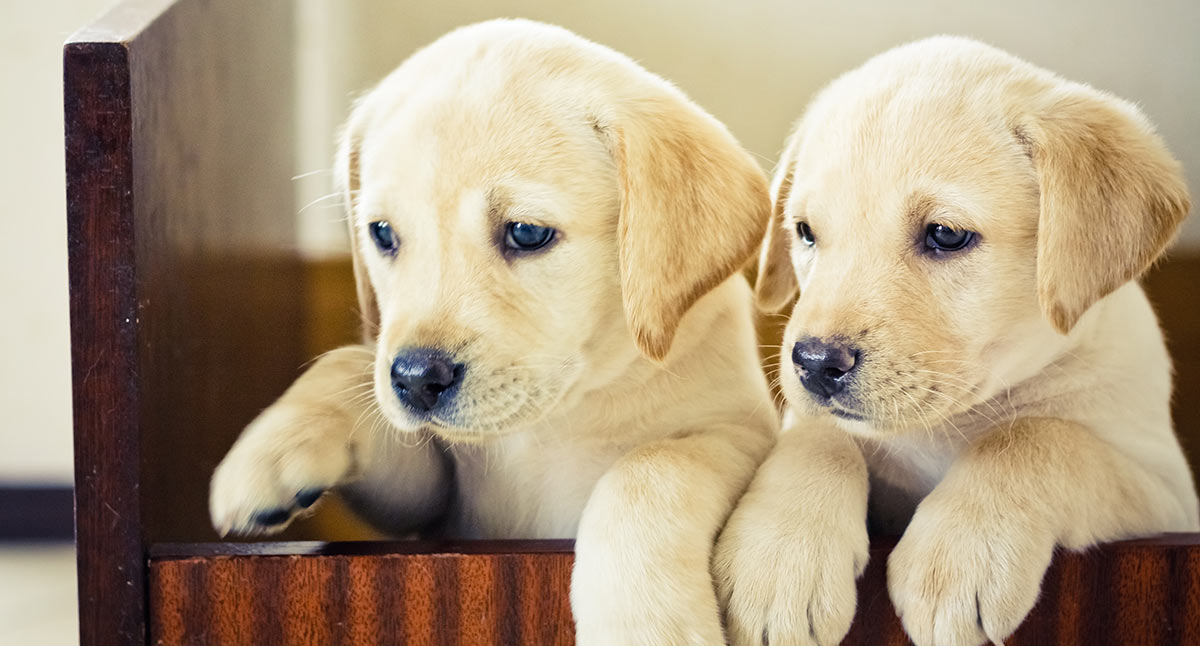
[(38, 605)]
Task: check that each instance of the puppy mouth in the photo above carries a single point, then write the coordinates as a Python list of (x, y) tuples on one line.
[(840, 405), (456, 435), (482, 421), (837, 411)]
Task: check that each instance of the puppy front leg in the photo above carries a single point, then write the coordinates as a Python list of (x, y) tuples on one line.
[(645, 539), (325, 431), (970, 564), (787, 561)]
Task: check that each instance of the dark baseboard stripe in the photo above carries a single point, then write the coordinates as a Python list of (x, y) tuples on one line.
[(36, 513)]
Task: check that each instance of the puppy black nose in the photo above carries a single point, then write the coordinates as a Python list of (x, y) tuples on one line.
[(824, 366), (423, 378)]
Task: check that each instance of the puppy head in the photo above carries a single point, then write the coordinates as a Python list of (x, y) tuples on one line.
[(530, 213), (949, 213)]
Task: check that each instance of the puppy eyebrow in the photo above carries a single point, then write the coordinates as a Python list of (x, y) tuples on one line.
[(920, 206), (498, 204), (502, 207)]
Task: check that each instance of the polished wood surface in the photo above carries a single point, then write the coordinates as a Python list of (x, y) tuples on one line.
[(1135, 592), (471, 593), (185, 291)]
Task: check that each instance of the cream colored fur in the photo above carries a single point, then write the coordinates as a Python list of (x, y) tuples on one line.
[(612, 391), (1013, 396)]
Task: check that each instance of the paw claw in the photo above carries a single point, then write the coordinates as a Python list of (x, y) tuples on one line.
[(272, 517), (308, 497)]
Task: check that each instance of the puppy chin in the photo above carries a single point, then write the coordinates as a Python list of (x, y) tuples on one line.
[(850, 421), (405, 425), (479, 425), (859, 427), (867, 425), (401, 422)]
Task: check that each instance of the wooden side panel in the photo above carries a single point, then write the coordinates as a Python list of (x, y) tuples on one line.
[(220, 287), (1136, 592), (185, 290), (211, 282)]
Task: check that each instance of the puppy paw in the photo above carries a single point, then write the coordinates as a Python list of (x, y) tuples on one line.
[(787, 579), (963, 576), (276, 471)]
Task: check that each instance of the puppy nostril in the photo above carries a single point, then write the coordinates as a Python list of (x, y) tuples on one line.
[(823, 364), (421, 376)]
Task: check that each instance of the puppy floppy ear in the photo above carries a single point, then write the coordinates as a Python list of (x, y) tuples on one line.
[(1112, 198), (693, 207), (776, 285), (347, 177)]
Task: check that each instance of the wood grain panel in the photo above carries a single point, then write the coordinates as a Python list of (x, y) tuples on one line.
[(371, 593), (1135, 592)]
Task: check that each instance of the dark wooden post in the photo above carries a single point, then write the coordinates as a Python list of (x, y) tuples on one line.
[(104, 344)]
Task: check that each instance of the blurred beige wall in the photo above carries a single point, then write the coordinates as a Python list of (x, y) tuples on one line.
[(35, 381), (755, 64)]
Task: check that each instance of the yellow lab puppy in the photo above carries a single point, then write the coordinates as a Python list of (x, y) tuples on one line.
[(546, 238), (964, 229)]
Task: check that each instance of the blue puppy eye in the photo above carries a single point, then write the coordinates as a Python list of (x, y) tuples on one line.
[(806, 234), (527, 237), (940, 237), (384, 237)]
